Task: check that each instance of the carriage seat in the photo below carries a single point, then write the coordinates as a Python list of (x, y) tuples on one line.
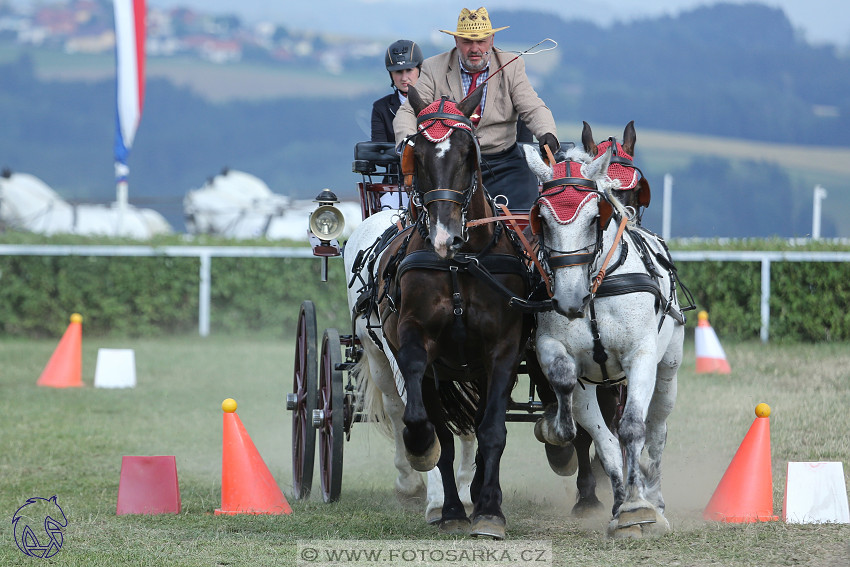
[(368, 155)]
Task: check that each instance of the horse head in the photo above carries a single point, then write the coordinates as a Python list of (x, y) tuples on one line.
[(570, 215), (446, 163), (634, 189)]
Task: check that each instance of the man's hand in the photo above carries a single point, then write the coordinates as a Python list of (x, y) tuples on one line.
[(550, 140)]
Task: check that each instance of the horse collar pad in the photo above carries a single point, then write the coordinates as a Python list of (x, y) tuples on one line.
[(565, 202), (439, 127)]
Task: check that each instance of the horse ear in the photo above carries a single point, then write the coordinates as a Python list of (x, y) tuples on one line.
[(598, 168), (415, 100), (629, 138), (470, 103), (587, 140)]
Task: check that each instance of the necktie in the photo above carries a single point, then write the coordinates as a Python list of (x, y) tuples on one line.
[(476, 116)]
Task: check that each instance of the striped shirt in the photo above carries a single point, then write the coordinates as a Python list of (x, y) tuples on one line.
[(466, 80)]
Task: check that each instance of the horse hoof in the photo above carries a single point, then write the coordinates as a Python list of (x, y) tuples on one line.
[(538, 430), (426, 461), (630, 532), (488, 526), (636, 517), (562, 460), (456, 526), (434, 515), (411, 498), (587, 507)]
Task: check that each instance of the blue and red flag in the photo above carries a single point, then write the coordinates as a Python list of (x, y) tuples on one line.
[(130, 77)]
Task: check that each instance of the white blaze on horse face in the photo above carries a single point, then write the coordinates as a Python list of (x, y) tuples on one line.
[(443, 147), (441, 239)]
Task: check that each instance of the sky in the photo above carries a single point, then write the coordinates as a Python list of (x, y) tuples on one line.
[(821, 21)]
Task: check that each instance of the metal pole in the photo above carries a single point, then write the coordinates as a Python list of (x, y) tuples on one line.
[(765, 299), (667, 206), (819, 195), (204, 296)]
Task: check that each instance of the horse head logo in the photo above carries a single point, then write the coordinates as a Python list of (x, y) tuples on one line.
[(38, 526)]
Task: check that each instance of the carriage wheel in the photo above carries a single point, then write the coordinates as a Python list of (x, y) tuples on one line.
[(330, 417), (305, 387)]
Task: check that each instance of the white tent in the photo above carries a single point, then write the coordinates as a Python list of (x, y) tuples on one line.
[(239, 205), (28, 204)]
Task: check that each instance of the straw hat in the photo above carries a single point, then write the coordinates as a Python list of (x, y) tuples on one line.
[(474, 25)]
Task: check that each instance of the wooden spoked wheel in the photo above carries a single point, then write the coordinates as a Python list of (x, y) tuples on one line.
[(305, 388), (330, 416)]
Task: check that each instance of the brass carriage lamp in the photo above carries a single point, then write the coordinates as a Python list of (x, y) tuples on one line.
[(326, 225)]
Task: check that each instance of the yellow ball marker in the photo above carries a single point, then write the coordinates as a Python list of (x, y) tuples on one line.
[(228, 405), (763, 410)]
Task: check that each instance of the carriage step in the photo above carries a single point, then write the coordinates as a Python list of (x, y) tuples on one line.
[(345, 366), (530, 406)]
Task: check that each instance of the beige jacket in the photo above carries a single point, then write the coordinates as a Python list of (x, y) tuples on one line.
[(509, 95)]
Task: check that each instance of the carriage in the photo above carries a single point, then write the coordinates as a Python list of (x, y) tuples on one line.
[(322, 400), (467, 250)]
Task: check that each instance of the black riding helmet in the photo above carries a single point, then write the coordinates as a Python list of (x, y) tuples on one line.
[(403, 54)]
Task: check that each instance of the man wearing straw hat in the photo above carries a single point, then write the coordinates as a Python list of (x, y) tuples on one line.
[(508, 96)]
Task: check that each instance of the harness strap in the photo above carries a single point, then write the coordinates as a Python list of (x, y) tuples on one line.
[(527, 246), (442, 195), (570, 181), (568, 260), (597, 281), (600, 357), (488, 220)]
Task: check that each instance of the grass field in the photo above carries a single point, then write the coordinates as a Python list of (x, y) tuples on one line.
[(70, 443)]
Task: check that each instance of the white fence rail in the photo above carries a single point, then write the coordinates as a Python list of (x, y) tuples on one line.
[(207, 253)]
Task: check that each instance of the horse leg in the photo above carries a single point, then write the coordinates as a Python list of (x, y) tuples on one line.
[(558, 427), (663, 400), (420, 439), (466, 470), (491, 432), (563, 459), (635, 509), (590, 416), (380, 397), (464, 475)]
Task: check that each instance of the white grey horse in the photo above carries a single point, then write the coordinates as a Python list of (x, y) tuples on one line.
[(628, 331), (380, 384)]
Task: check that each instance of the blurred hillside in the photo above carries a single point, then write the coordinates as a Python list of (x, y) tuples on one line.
[(731, 72)]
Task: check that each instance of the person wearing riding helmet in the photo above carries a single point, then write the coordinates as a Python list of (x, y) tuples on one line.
[(403, 61), (508, 97)]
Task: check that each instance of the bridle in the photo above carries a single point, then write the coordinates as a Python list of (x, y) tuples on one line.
[(462, 198), (553, 258)]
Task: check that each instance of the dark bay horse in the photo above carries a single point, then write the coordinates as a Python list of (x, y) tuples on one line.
[(446, 315)]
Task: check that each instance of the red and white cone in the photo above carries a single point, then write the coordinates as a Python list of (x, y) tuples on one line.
[(710, 355)]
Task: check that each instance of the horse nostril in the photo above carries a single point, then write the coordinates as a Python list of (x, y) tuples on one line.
[(457, 242)]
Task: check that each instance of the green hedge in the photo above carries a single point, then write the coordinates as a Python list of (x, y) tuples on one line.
[(141, 296)]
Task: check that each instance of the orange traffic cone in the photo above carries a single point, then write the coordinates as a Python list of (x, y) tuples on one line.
[(247, 486), (745, 493), (65, 367), (710, 355)]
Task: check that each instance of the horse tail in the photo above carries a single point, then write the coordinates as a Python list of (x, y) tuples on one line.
[(458, 404), (370, 398)]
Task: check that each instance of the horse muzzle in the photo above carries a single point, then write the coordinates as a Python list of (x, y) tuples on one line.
[(570, 312)]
